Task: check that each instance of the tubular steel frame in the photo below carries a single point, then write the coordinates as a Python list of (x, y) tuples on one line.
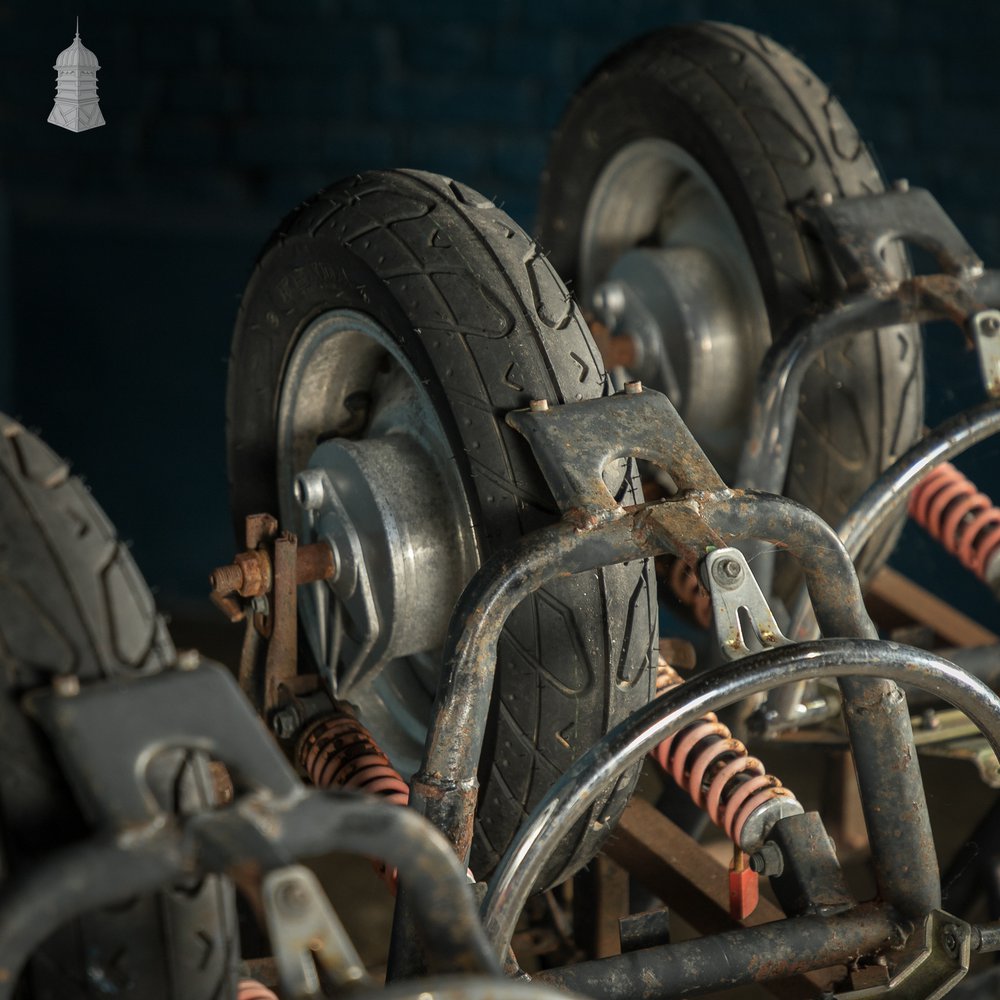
[(574, 445), (274, 820)]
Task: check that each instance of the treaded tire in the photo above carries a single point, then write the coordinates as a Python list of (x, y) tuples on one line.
[(488, 325), (770, 135), (72, 602)]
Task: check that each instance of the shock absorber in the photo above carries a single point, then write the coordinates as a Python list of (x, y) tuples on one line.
[(721, 777), (336, 751), (963, 520)]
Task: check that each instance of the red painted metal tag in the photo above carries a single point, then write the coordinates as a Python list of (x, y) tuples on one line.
[(743, 888)]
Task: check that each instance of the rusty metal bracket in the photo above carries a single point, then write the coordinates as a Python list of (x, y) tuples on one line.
[(857, 230), (744, 623), (266, 577), (935, 959), (576, 443)]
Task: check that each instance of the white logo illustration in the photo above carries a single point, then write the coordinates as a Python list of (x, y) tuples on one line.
[(76, 106)]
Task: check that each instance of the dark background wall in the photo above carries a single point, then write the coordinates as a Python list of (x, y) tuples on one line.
[(123, 251)]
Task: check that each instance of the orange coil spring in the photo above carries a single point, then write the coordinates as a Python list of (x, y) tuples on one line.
[(250, 989), (337, 751), (684, 583), (957, 515), (716, 770)]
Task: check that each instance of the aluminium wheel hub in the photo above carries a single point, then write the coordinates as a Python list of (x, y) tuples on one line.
[(365, 466)]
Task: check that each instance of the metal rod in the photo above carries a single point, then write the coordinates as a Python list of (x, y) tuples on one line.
[(628, 742), (986, 937), (733, 958)]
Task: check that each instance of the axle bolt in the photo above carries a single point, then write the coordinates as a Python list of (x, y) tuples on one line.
[(309, 490)]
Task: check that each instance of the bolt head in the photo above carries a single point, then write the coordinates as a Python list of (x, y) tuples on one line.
[(609, 301), (990, 324), (538, 405), (187, 659), (727, 572), (309, 489), (66, 685), (291, 898), (285, 722), (901, 184), (633, 388)]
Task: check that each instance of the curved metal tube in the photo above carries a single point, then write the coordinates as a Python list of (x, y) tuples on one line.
[(892, 489), (270, 832), (875, 711), (570, 797), (97, 873), (766, 451)]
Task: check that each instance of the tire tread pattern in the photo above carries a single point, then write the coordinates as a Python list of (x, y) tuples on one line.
[(73, 602)]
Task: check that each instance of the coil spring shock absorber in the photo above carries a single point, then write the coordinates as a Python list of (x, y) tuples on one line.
[(250, 989), (336, 751), (719, 774), (963, 520)]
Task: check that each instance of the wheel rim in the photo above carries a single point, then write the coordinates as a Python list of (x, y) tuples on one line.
[(662, 258), (355, 420)]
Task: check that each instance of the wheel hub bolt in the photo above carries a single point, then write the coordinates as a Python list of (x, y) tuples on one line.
[(609, 301), (309, 489)]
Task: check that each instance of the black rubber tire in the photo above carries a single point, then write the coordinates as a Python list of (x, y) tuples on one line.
[(72, 602), (380, 244), (770, 135)]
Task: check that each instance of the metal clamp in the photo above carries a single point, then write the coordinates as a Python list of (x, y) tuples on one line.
[(985, 329), (304, 930), (744, 622), (935, 960)]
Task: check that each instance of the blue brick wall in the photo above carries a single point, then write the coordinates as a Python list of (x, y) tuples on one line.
[(130, 244)]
